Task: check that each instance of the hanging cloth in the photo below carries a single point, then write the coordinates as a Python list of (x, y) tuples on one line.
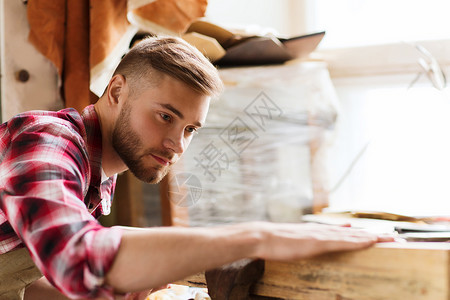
[(85, 39)]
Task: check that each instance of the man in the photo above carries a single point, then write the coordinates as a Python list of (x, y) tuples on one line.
[(58, 171)]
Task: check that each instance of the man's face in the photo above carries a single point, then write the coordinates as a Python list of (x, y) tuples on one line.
[(155, 127)]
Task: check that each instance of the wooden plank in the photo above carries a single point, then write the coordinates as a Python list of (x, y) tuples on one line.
[(384, 272), (196, 280), (388, 271)]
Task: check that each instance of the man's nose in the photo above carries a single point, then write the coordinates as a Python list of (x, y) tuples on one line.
[(175, 141)]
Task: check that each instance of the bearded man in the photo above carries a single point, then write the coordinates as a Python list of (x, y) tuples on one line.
[(58, 172)]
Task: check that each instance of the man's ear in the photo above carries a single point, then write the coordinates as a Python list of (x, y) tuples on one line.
[(116, 89)]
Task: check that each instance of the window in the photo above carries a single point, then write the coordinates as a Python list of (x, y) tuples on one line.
[(367, 22), (401, 138), (388, 102)]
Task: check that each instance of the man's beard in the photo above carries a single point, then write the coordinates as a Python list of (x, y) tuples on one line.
[(127, 144)]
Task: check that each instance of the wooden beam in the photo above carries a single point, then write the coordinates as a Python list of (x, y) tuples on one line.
[(387, 271)]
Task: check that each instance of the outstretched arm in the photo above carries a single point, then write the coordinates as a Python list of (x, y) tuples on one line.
[(156, 256)]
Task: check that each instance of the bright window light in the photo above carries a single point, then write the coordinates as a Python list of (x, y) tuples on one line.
[(406, 167), (367, 22)]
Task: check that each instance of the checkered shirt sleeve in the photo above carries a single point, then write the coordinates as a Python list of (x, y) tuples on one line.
[(44, 176)]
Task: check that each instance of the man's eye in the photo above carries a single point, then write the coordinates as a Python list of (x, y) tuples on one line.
[(165, 117), (191, 129)]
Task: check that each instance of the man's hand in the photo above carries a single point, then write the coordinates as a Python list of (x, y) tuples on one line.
[(298, 241)]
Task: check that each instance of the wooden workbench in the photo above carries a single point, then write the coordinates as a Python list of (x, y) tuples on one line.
[(404, 271)]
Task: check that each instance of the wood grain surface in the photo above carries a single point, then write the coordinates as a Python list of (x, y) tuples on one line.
[(387, 271)]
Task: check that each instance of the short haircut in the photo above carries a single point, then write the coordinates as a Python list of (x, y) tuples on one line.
[(171, 56)]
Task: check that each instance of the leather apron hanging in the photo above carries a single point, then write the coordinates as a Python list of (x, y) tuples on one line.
[(17, 270)]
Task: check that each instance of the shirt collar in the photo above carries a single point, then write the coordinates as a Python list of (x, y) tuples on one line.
[(104, 177), (93, 143)]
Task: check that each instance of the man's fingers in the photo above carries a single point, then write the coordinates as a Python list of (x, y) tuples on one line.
[(386, 238)]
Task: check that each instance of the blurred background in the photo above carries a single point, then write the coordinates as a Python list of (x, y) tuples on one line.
[(360, 122)]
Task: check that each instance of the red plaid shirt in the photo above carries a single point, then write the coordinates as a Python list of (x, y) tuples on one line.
[(51, 194)]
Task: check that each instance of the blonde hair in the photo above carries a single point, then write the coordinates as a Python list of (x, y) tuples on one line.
[(153, 56)]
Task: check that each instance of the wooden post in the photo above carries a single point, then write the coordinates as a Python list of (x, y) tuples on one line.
[(129, 206), (172, 214), (413, 271)]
